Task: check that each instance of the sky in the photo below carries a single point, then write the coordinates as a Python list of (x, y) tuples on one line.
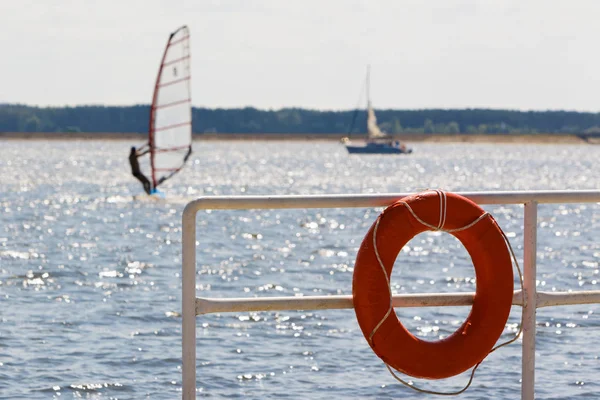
[(270, 54)]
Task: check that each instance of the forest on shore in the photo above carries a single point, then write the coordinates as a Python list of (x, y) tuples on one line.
[(134, 119)]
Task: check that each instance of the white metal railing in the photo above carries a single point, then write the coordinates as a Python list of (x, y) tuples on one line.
[(532, 299)]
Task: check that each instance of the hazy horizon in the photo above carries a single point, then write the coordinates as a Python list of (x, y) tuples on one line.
[(461, 54)]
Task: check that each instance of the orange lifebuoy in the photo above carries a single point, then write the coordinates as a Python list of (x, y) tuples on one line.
[(486, 245)]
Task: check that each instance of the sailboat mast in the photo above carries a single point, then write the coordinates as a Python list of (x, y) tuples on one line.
[(368, 85)]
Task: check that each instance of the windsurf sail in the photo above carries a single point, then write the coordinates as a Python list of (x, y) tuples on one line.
[(170, 133)]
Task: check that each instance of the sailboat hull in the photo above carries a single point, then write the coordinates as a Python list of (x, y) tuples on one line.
[(377, 148)]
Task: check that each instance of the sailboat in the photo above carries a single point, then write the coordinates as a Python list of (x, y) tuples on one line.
[(170, 133), (377, 142)]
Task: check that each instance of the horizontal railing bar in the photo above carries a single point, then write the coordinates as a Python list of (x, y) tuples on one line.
[(547, 299), (382, 200), (212, 305), (544, 299)]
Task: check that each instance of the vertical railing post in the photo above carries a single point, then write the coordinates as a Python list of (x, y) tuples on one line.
[(188, 303), (529, 293)]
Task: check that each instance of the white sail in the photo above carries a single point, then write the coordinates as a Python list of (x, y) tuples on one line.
[(373, 130), (170, 135)]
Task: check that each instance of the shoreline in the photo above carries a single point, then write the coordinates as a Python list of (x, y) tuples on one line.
[(408, 138)]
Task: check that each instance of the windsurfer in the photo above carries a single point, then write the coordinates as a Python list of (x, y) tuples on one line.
[(135, 167)]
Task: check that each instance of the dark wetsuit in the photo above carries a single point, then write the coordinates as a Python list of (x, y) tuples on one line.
[(135, 170)]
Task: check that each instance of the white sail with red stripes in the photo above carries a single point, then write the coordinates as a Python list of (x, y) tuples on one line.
[(170, 134)]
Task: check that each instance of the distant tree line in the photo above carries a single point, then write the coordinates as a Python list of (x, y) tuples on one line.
[(134, 119)]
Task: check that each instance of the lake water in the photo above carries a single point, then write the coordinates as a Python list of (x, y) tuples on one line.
[(90, 285)]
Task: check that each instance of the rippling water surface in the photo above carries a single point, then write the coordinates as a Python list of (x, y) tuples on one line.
[(90, 283)]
